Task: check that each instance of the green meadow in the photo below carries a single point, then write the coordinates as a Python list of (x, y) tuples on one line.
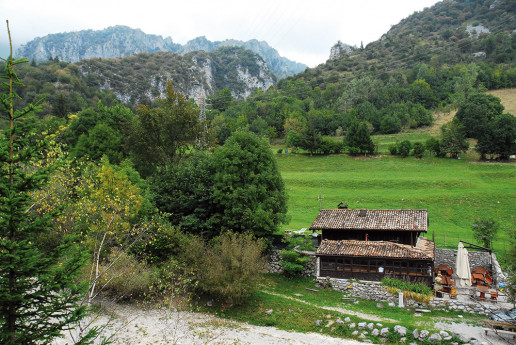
[(455, 192)]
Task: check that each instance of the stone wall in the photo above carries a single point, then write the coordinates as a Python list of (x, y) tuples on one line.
[(310, 270), (361, 289), (488, 261), (449, 257), (376, 292)]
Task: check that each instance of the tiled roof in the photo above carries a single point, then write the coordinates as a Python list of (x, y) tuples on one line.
[(346, 219), (382, 249)]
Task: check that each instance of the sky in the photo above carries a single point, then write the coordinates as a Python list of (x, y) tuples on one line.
[(300, 30)]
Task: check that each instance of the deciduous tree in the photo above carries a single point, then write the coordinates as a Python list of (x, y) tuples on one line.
[(160, 135), (248, 188)]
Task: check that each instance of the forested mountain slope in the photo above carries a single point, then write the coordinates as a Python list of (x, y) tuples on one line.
[(142, 78), (450, 32), (433, 59)]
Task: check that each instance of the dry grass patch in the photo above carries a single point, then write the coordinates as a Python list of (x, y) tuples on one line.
[(508, 97)]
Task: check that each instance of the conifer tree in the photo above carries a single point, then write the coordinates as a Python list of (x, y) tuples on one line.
[(38, 295)]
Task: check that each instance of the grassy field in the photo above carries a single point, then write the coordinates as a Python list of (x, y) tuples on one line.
[(508, 97), (455, 192), (286, 304)]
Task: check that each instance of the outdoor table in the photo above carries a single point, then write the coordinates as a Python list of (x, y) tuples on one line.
[(483, 290)]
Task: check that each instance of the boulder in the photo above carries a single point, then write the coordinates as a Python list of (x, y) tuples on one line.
[(435, 338), (444, 334), (400, 330), (415, 334), (384, 331), (423, 334)]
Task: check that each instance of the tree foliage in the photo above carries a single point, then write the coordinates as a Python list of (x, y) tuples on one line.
[(358, 140), (39, 297), (484, 231), (247, 186), (237, 188), (476, 113), (453, 140), (160, 135), (231, 269)]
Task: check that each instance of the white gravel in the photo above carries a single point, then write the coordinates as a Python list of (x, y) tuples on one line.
[(133, 325)]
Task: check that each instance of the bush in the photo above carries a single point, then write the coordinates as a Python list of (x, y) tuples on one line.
[(393, 149), (420, 288), (124, 276), (231, 269), (419, 150), (293, 263), (484, 231), (434, 146), (404, 148), (279, 151)]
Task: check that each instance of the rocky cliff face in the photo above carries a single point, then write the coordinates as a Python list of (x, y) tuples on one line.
[(340, 49), (280, 66), (142, 78), (116, 41), (120, 41)]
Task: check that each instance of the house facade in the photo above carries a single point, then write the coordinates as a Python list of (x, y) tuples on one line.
[(373, 244)]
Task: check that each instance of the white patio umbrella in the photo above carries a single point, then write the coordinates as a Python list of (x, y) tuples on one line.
[(462, 268)]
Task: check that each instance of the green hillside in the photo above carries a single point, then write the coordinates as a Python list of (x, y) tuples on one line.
[(455, 192)]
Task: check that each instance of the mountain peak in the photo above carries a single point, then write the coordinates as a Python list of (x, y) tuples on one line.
[(120, 40)]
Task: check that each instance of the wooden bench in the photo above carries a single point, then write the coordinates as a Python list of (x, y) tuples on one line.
[(499, 331), (492, 324)]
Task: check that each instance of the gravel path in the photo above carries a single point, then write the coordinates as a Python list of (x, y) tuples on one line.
[(468, 331), (340, 310), (131, 325)]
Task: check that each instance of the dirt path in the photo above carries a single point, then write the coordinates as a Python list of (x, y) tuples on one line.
[(131, 325), (340, 310), (469, 331)]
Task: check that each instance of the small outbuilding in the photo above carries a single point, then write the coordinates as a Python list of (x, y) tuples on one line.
[(373, 244)]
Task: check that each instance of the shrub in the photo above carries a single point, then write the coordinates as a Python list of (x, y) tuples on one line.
[(419, 150), (393, 149), (231, 269), (404, 148), (124, 276), (484, 231), (420, 288), (293, 263), (174, 283), (434, 146), (279, 151)]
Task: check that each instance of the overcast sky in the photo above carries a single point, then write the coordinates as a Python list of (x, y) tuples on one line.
[(300, 30)]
